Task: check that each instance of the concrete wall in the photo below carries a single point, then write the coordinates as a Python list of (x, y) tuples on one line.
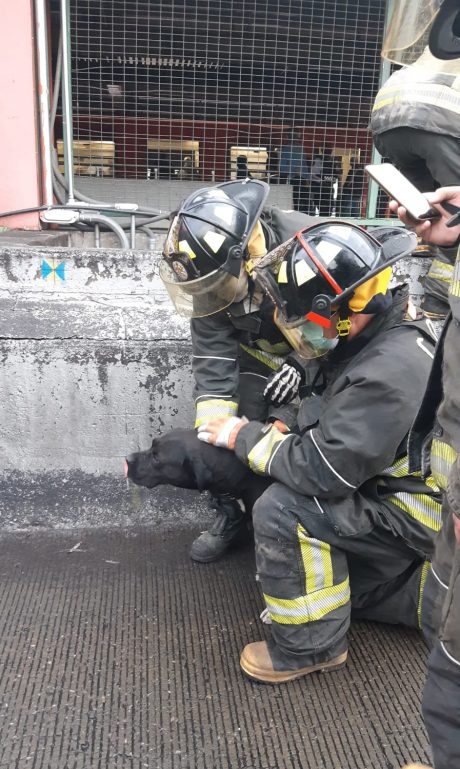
[(94, 362)]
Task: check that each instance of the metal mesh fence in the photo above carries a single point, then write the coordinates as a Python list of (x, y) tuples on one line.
[(174, 94)]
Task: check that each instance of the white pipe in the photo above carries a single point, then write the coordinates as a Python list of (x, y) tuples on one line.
[(67, 100), (44, 100)]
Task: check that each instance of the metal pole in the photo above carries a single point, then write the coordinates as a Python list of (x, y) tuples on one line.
[(67, 100), (385, 70), (44, 100)]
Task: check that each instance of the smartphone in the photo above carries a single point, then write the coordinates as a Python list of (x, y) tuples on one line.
[(401, 189)]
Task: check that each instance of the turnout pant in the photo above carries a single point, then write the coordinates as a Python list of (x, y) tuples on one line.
[(313, 577), (441, 615)]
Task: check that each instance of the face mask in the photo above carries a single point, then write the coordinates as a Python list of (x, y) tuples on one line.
[(307, 339), (313, 335)]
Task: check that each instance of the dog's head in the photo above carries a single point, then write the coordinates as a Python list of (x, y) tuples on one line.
[(176, 458)]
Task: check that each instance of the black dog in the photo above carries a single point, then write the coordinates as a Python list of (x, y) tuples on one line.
[(180, 459)]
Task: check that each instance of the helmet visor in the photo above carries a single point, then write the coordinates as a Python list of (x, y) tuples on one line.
[(202, 296), (408, 30), (307, 339)]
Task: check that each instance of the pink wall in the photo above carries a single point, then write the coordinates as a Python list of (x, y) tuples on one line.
[(19, 158)]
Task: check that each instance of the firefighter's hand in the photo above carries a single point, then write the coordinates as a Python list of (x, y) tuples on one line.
[(283, 385), (433, 230), (221, 432)]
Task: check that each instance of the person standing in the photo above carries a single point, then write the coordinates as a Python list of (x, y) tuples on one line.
[(294, 169), (352, 191), (434, 444)]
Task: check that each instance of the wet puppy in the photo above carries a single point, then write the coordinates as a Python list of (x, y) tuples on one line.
[(178, 458)]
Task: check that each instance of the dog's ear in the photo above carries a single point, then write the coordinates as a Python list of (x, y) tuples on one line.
[(199, 471)]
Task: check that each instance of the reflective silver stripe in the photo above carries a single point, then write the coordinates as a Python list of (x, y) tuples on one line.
[(212, 357), (251, 373), (272, 361), (350, 485), (316, 500), (441, 271), (452, 659), (446, 587), (421, 507), (308, 608), (214, 409), (455, 285), (213, 396), (260, 454), (443, 457), (421, 344), (435, 94), (274, 452), (399, 468)]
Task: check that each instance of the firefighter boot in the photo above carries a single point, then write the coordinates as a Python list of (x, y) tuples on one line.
[(229, 527), (257, 664)]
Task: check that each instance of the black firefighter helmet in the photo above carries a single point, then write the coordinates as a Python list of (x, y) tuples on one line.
[(205, 248), (444, 37), (417, 29), (327, 267)]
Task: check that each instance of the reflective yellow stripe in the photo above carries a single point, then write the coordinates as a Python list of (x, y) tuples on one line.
[(280, 348), (398, 469), (441, 271), (435, 94), (455, 285), (421, 507), (317, 562), (214, 408), (259, 456), (443, 457), (308, 608), (423, 576), (272, 361)]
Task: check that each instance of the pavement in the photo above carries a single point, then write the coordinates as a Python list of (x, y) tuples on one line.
[(117, 651)]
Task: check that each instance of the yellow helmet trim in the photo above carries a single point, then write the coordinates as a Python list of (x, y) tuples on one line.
[(366, 291)]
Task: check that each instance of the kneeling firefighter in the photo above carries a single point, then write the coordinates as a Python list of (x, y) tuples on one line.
[(344, 527), (241, 361)]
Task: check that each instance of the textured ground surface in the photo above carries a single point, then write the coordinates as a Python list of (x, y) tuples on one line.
[(122, 653)]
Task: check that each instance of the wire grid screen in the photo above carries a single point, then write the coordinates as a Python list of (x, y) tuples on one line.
[(170, 96)]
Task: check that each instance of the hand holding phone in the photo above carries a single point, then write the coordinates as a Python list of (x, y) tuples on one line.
[(402, 190)]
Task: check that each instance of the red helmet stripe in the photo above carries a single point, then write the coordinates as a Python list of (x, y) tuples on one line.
[(318, 264), (318, 319)]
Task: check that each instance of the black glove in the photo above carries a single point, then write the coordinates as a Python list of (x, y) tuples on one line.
[(283, 385)]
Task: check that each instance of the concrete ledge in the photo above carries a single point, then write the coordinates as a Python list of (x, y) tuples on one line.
[(94, 363), (74, 499)]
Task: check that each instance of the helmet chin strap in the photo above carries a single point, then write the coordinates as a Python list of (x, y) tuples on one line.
[(343, 325)]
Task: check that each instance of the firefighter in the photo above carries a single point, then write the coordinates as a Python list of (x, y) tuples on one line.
[(415, 124), (437, 426), (345, 526), (239, 354)]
